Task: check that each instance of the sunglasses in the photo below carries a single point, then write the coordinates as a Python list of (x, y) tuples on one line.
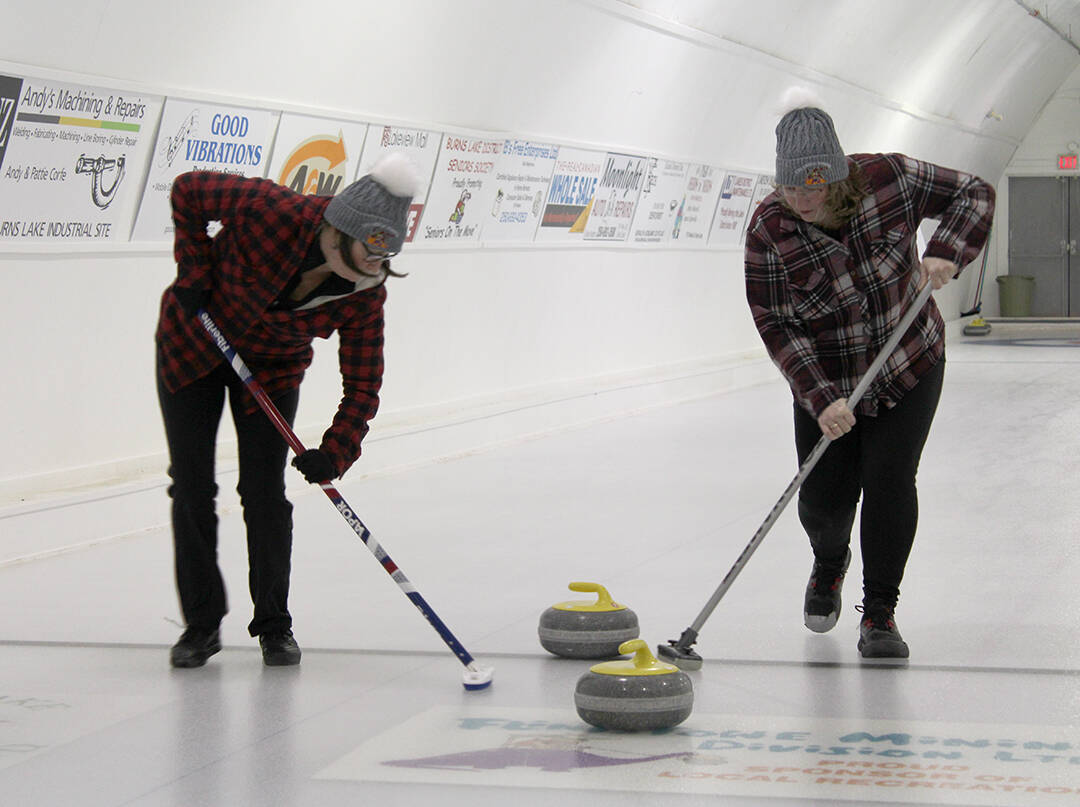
[(345, 243), (377, 245), (382, 256)]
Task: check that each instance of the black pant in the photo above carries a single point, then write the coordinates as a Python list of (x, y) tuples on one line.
[(192, 415), (878, 459)]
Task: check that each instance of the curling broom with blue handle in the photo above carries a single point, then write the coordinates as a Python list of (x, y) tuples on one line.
[(475, 676)]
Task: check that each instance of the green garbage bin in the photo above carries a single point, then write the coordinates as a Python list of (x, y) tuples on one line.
[(1014, 294)]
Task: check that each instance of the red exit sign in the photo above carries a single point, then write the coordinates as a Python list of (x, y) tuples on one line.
[(1067, 162)]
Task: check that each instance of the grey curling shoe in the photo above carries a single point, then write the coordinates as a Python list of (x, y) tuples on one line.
[(821, 605), (879, 637)]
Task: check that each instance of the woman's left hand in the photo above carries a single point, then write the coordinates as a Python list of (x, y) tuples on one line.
[(938, 271)]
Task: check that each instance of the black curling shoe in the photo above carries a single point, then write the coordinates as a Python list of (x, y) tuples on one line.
[(194, 647), (279, 648), (879, 637), (821, 605)]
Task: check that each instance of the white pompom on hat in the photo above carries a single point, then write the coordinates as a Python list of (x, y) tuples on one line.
[(807, 149), (374, 210), (798, 98)]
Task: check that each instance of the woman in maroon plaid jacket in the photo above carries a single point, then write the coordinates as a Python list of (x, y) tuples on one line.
[(283, 269), (831, 268)]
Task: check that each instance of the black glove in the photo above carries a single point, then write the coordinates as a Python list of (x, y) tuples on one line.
[(315, 466), (191, 300)]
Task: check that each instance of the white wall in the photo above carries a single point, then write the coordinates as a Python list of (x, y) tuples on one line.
[(477, 339), (1054, 130)]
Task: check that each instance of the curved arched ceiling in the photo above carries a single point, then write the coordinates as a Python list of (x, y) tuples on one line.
[(987, 67)]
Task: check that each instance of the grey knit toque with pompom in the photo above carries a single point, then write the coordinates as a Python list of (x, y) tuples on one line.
[(374, 210), (807, 149)]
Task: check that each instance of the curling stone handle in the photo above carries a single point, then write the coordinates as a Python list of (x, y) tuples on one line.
[(604, 598), (643, 657), (642, 663)]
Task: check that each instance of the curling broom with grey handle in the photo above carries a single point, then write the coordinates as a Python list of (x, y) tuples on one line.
[(679, 651)]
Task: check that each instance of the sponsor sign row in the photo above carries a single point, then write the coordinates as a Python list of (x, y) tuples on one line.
[(91, 165)]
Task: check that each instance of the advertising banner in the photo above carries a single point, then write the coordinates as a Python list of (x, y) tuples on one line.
[(660, 210), (461, 192), (194, 136), (570, 195), (522, 175), (316, 156), (421, 146), (70, 160), (700, 196), (616, 199), (729, 223)]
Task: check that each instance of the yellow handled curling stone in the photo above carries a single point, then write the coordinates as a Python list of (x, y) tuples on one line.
[(637, 694), (591, 630)]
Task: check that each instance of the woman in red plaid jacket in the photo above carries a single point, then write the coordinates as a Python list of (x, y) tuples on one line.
[(831, 267), (283, 269)]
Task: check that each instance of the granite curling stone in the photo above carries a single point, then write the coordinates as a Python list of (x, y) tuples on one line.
[(590, 630), (638, 694)]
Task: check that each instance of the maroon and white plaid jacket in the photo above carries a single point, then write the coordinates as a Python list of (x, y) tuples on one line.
[(824, 308), (266, 231)]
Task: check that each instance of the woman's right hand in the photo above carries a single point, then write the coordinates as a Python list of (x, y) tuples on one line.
[(836, 420)]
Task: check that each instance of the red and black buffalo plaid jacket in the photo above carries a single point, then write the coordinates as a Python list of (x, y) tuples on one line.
[(266, 231), (825, 306)]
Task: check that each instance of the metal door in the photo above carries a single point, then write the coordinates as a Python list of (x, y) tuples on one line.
[(1072, 294), (1039, 240)]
